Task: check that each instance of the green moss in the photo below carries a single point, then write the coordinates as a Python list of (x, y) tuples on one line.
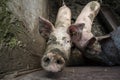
[(13, 42), (7, 26)]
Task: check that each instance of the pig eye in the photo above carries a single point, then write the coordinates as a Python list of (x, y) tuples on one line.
[(68, 41), (53, 38), (50, 39)]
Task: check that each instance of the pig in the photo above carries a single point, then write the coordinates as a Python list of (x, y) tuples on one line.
[(80, 31), (105, 49), (58, 40)]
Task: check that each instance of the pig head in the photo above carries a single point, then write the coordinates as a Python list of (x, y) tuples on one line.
[(81, 29), (58, 40)]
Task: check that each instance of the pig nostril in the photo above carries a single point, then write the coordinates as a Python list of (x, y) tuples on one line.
[(46, 60), (59, 62)]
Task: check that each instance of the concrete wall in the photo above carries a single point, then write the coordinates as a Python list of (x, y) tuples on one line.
[(20, 40)]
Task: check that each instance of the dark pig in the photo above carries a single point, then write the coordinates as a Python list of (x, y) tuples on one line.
[(58, 44), (106, 50)]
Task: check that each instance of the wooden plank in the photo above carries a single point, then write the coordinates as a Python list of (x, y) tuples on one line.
[(108, 19)]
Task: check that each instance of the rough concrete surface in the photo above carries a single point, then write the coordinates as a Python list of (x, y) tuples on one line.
[(73, 73)]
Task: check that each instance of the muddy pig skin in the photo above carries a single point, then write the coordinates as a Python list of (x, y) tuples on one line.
[(58, 44), (81, 29)]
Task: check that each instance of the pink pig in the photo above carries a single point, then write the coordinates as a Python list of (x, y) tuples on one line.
[(58, 44), (81, 30)]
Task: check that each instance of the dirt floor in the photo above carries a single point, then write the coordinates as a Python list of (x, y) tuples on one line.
[(73, 73)]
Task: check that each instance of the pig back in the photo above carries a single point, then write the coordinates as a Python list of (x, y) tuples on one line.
[(64, 17), (88, 14)]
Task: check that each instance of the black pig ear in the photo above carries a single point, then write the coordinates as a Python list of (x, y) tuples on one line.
[(45, 27), (91, 41)]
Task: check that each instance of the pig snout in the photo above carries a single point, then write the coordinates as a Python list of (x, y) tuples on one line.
[(53, 62)]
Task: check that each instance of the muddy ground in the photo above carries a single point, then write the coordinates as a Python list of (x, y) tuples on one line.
[(15, 56)]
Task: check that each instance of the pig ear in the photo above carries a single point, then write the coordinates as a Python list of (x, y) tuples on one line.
[(91, 41), (75, 32), (76, 28), (45, 27)]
